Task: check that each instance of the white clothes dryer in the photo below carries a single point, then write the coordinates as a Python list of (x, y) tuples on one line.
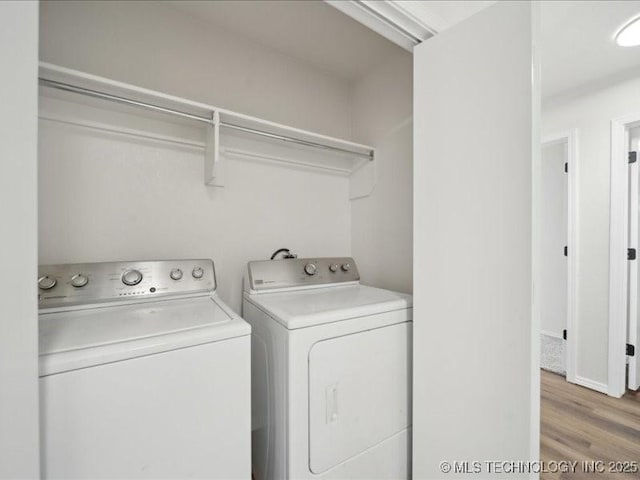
[(331, 363), (144, 373)]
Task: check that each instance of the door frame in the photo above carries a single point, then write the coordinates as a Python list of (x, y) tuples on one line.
[(618, 244), (571, 138)]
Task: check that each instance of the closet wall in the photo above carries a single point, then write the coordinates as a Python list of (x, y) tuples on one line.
[(107, 197), (382, 224), (154, 45)]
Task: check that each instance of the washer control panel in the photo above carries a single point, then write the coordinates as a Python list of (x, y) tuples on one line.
[(88, 283), (298, 272)]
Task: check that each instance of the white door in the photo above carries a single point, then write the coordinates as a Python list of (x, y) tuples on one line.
[(553, 292), (553, 238), (476, 389), (633, 332)]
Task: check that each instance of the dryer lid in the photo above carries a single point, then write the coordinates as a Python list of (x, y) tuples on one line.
[(84, 338), (306, 308)]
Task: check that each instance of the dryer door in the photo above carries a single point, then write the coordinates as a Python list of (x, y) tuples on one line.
[(359, 393)]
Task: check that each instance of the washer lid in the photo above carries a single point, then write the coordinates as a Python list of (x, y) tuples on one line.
[(83, 338), (306, 308)]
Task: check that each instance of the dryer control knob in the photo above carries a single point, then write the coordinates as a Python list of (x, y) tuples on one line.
[(346, 267), (310, 269), (197, 272), (79, 280), (176, 274), (333, 267), (46, 282), (131, 277)]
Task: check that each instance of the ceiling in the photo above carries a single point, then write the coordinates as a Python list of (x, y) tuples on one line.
[(311, 31), (443, 14), (578, 48)]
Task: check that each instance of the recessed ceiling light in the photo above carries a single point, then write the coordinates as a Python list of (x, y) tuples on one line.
[(629, 34)]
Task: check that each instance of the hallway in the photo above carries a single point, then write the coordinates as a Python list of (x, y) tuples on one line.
[(578, 424)]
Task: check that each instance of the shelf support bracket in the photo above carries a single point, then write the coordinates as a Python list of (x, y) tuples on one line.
[(363, 179), (212, 161)]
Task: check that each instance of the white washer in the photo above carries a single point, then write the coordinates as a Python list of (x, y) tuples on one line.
[(331, 362), (144, 373)]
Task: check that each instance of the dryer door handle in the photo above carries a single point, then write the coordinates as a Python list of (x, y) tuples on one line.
[(331, 393)]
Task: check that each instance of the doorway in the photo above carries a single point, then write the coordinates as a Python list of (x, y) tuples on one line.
[(557, 253), (633, 321), (624, 281)]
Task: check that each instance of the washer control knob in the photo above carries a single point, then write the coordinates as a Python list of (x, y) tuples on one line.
[(197, 272), (310, 269), (333, 267), (79, 280), (46, 282), (131, 277), (346, 267), (176, 274)]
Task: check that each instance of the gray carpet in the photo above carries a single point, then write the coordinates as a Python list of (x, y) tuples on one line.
[(552, 354)]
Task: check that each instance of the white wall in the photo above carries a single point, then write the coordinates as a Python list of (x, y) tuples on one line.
[(107, 198), (553, 238), (591, 111), (19, 444), (152, 45), (476, 384), (382, 228)]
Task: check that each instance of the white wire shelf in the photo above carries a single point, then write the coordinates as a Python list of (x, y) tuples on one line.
[(322, 153)]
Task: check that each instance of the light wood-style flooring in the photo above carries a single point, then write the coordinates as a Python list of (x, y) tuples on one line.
[(579, 424)]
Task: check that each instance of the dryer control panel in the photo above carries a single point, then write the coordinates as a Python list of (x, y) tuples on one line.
[(75, 284), (265, 275)]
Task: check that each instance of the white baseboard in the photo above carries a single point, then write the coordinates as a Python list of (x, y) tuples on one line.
[(551, 334), (597, 386)]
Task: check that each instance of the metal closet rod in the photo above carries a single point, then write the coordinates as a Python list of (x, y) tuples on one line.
[(126, 101)]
